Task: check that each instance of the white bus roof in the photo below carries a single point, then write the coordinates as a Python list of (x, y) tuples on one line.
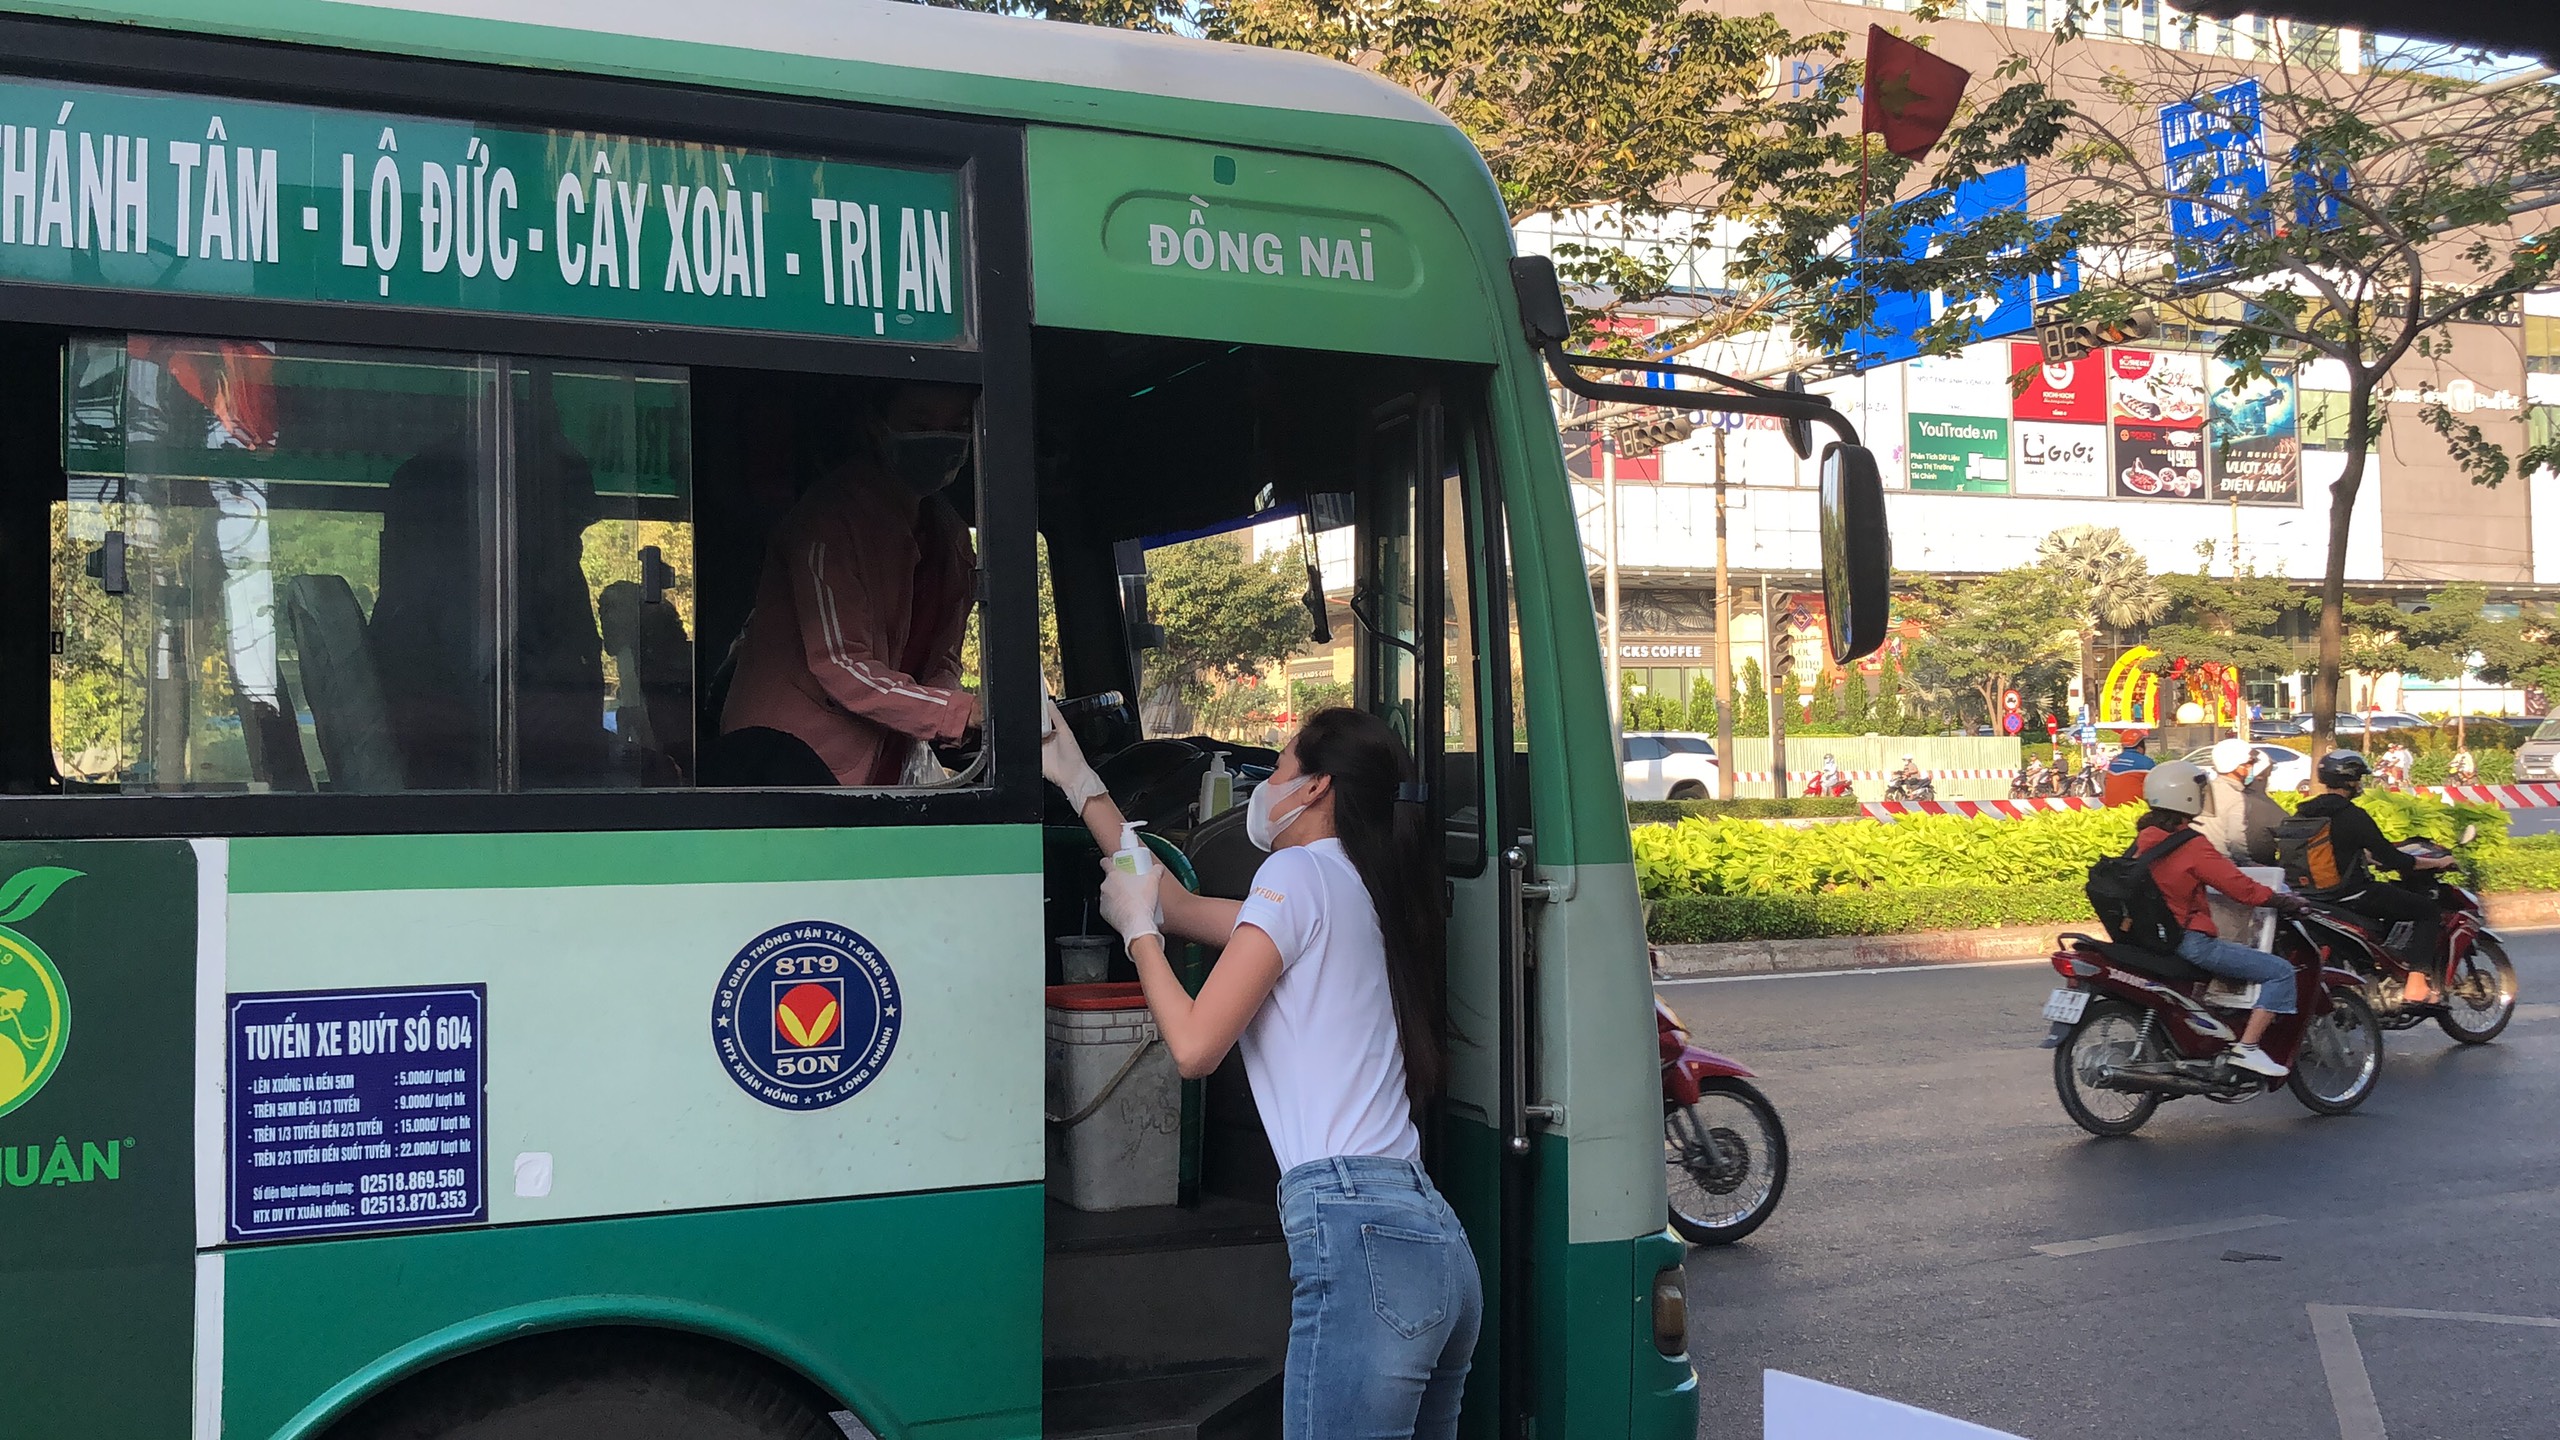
[(923, 37)]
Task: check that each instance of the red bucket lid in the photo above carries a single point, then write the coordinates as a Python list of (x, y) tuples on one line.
[(1115, 995)]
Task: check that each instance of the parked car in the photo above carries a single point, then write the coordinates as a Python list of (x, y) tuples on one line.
[(2538, 759), (2380, 721), (2292, 767), (1669, 765)]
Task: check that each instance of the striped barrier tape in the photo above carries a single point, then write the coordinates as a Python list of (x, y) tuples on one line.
[(1762, 776), (2505, 797), (1887, 809)]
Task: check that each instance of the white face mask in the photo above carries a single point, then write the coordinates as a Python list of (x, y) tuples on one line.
[(1260, 825)]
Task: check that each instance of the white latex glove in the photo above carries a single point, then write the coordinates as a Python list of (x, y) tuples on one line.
[(1129, 904), (1062, 764)]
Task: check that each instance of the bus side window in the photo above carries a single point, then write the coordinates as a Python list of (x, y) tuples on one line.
[(295, 567)]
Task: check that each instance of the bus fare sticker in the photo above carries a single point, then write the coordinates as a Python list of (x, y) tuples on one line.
[(357, 1111)]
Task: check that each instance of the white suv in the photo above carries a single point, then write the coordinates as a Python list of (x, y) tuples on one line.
[(1668, 765)]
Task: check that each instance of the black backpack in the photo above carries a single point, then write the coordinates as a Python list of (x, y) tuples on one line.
[(2129, 902)]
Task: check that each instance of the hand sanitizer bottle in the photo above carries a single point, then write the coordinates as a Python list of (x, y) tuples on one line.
[(1217, 789), (1133, 857)]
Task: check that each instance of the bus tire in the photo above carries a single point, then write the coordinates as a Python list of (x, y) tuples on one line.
[(615, 1383)]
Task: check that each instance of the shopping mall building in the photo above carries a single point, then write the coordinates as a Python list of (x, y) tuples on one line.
[(2153, 441)]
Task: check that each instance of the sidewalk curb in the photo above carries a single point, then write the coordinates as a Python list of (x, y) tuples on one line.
[(2524, 910)]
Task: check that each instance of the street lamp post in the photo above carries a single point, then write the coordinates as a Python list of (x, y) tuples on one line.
[(1724, 642)]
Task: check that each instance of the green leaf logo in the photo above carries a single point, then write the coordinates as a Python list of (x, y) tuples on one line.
[(35, 1008), (24, 893)]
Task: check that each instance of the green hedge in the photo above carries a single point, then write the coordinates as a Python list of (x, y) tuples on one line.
[(1700, 919), (1807, 807), (1725, 878), (2532, 863)]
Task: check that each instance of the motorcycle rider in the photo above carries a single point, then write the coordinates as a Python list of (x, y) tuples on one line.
[(1828, 780), (2357, 842), (2242, 821), (2397, 762), (2464, 770), (2176, 793), (2125, 770), (1909, 780)]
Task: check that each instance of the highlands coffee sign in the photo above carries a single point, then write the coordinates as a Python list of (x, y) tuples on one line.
[(2458, 395)]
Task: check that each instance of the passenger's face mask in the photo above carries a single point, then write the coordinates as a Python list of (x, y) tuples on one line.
[(1262, 825), (928, 460)]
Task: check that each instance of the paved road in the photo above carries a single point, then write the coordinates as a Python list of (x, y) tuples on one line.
[(1930, 1157), (2533, 822)]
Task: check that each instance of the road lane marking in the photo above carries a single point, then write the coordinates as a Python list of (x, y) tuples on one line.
[(2350, 1387), (2063, 1249), (2342, 1359), (1859, 970)]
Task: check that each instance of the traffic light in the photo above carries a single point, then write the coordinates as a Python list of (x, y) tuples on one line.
[(2064, 342), (1644, 433)]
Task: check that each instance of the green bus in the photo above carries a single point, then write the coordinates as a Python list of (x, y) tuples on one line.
[(401, 1033)]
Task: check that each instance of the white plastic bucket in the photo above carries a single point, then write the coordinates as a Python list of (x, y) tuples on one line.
[(1114, 1101)]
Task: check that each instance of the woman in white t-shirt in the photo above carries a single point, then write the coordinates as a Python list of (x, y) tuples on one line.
[(1341, 1019)]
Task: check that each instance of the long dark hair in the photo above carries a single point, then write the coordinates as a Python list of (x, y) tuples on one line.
[(1390, 842)]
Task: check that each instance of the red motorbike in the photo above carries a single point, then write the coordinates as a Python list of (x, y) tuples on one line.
[(2133, 1027), (1724, 1151), (2468, 986), (1838, 787)]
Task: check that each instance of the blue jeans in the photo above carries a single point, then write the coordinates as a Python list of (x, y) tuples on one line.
[(2273, 976), (1385, 1304)]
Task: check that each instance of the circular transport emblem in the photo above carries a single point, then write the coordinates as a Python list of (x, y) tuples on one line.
[(806, 1015), (35, 1007)]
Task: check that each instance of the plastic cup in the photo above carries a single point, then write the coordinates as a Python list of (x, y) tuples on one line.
[(1084, 959)]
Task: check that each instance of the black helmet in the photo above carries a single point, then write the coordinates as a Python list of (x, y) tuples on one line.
[(2343, 770)]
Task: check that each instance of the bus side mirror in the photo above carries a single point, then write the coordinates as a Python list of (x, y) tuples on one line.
[(1857, 552), (1541, 297), (1799, 432)]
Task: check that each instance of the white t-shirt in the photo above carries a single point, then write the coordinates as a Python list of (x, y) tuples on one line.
[(1323, 1052)]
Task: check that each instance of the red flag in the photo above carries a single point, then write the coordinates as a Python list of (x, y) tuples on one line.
[(1911, 94)]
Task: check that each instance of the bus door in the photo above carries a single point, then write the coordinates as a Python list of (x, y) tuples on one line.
[(1431, 604)]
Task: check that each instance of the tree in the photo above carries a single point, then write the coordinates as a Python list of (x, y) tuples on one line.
[(1751, 713), (2390, 213), (2107, 582), (2228, 621), (2009, 630), (1226, 616), (1857, 707), (2445, 635), (1658, 126), (1888, 714)]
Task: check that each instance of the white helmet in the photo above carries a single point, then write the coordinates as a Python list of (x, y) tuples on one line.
[(2176, 786), (2233, 754)]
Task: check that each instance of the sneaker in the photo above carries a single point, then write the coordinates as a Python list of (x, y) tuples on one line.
[(2254, 1060)]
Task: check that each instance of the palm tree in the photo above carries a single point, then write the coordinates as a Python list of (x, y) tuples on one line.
[(2110, 584)]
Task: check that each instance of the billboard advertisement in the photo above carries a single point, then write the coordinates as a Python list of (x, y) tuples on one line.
[(2007, 309), (2254, 441), (2155, 424), (2073, 392), (2056, 459), (1962, 454), (2058, 424)]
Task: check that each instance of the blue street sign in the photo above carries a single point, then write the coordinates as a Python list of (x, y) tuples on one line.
[(2007, 309), (2217, 168)]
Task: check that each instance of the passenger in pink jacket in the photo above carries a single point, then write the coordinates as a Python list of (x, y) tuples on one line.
[(853, 652)]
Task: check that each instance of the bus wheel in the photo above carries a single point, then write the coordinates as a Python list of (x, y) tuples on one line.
[(620, 1383)]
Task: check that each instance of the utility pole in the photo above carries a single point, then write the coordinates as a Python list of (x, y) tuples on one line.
[(1777, 706), (1609, 575), (1724, 642), (2240, 715)]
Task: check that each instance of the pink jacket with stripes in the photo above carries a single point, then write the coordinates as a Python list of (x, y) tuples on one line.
[(854, 646)]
